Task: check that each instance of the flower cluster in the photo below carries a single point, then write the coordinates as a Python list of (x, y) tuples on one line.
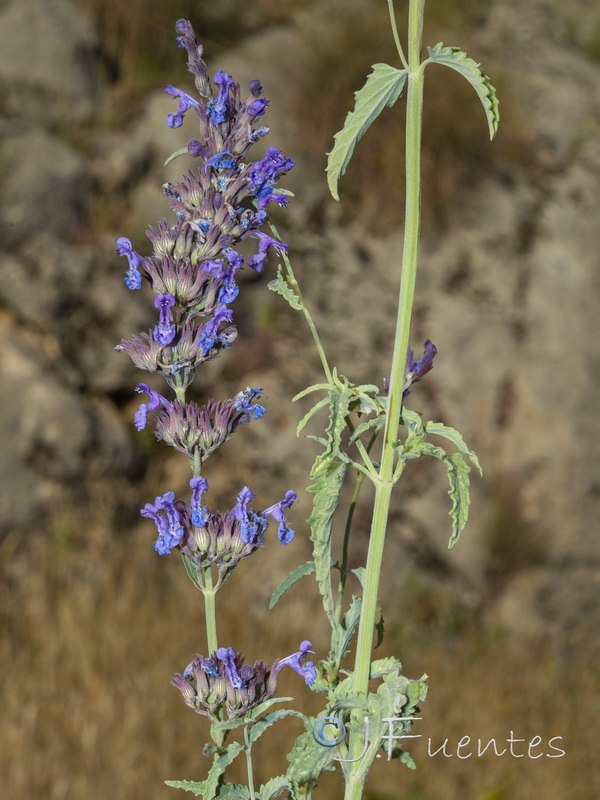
[(223, 539), (223, 201), (223, 683)]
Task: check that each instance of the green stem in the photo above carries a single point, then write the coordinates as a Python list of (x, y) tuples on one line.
[(384, 487), (248, 752), (313, 329), (395, 34), (210, 615)]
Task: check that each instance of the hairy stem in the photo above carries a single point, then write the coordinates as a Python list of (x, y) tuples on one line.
[(309, 320), (407, 289), (210, 615), (250, 772)]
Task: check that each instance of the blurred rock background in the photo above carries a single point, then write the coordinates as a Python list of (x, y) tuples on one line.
[(506, 623)]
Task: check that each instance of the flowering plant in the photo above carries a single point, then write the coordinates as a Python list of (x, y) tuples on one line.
[(192, 273)]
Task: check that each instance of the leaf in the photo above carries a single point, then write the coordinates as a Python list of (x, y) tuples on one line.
[(314, 388), (208, 788), (326, 490), (292, 578), (183, 151), (195, 787), (343, 633), (383, 666), (458, 477), (265, 722), (190, 568), (281, 286), (308, 416), (459, 61), (339, 402), (375, 425), (233, 791), (382, 88), (455, 437), (308, 760), (274, 787), (262, 707)]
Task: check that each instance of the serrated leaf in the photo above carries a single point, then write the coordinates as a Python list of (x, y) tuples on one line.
[(452, 435), (327, 491), (265, 722), (382, 666), (339, 402), (310, 414), (375, 425), (458, 60), (314, 388), (308, 760), (233, 791), (281, 286), (208, 788), (382, 88), (458, 478), (292, 578), (195, 787), (274, 787)]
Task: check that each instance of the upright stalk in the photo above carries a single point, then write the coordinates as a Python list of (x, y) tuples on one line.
[(385, 484)]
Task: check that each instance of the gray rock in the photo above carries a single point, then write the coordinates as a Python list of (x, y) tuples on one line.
[(48, 62), (45, 187)]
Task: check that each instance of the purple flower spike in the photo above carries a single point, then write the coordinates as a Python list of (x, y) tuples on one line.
[(164, 332), (156, 401), (169, 524), (284, 534), (185, 102), (133, 279), (308, 671)]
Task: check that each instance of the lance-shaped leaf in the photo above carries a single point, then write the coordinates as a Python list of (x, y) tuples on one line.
[(286, 583), (183, 151), (326, 489), (458, 477), (192, 571), (282, 286), (382, 88), (265, 722), (458, 60), (455, 437)]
